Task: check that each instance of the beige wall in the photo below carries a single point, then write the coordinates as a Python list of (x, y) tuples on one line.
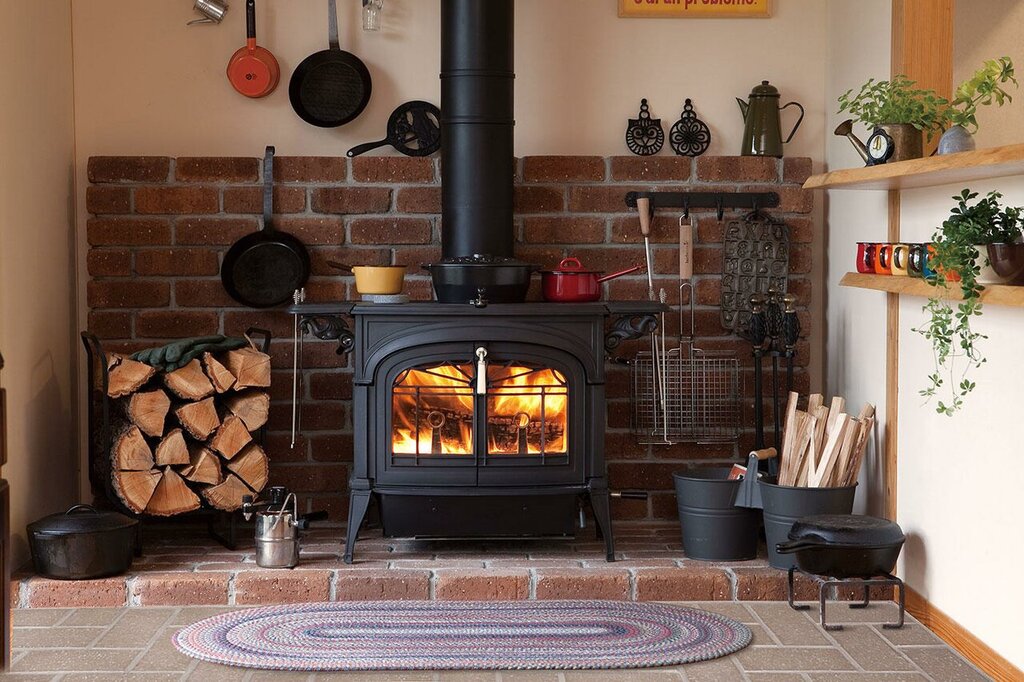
[(36, 256)]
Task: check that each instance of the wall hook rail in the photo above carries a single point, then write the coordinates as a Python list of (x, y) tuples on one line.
[(720, 201)]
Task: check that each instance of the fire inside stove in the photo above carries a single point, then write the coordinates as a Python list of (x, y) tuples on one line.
[(434, 410)]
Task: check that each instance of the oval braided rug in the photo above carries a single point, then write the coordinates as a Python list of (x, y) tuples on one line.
[(431, 635)]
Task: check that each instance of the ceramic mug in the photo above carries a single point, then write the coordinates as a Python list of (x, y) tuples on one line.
[(866, 258), (882, 264), (899, 257), (915, 260)]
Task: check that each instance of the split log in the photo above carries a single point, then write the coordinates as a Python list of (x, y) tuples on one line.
[(131, 452), (172, 449), (172, 496), (135, 488), (228, 495), (189, 382), (199, 419), (231, 437), (252, 466), (220, 376), (148, 410), (250, 367), (253, 407), (204, 467), (128, 376)]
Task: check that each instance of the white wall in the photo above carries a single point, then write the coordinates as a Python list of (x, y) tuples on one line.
[(36, 257)]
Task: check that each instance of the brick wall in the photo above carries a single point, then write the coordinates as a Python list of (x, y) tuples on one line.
[(159, 227)]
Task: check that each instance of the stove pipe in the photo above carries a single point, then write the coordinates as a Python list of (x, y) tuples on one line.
[(477, 79)]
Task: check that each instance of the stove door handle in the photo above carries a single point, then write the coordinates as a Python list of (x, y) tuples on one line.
[(481, 371)]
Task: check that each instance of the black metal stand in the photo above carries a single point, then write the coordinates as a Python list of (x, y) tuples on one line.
[(866, 583)]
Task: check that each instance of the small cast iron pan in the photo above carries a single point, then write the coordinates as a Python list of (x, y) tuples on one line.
[(253, 71), (264, 269), (331, 87), (414, 129)]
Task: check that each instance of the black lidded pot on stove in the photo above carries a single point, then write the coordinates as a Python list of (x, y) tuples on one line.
[(82, 543), (481, 280)]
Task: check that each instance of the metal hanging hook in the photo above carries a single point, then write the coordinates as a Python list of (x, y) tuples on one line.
[(720, 207)]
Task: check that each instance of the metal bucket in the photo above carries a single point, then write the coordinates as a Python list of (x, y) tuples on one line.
[(277, 540), (784, 505), (713, 528)]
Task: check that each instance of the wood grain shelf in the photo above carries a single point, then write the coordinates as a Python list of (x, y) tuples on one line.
[(994, 294), (965, 167)]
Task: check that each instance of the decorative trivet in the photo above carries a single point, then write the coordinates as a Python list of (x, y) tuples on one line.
[(389, 299), (690, 136), (644, 135)]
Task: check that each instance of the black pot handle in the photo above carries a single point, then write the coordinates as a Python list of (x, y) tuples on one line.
[(79, 507), (795, 546), (303, 521)]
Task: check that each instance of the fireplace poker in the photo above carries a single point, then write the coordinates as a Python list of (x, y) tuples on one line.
[(758, 333), (298, 296), (773, 316), (643, 206), (791, 334)]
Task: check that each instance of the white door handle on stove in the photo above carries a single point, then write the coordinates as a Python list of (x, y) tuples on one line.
[(481, 371)]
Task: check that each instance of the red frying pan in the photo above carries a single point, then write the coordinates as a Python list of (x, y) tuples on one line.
[(253, 70)]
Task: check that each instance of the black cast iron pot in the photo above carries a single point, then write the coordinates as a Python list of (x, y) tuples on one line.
[(844, 545), (480, 280), (82, 543)]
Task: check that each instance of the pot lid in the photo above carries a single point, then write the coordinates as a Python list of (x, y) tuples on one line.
[(847, 529), (82, 518), (481, 260), (765, 89), (571, 266)]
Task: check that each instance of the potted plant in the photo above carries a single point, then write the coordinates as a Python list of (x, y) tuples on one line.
[(900, 109), (969, 250), (983, 88)]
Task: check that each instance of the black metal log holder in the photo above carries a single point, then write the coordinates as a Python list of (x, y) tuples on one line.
[(101, 441), (720, 201), (866, 584)]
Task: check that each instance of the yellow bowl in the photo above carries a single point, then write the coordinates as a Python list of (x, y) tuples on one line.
[(379, 279)]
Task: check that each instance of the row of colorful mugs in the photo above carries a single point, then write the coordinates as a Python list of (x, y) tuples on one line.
[(903, 260)]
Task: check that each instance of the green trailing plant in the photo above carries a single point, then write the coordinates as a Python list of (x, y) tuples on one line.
[(957, 261), (896, 101), (981, 89)]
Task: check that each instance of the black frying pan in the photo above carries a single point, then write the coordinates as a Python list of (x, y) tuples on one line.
[(331, 87), (414, 129), (263, 269)]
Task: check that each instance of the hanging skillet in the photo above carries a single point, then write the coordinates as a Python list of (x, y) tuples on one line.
[(331, 87), (253, 70), (414, 129), (265, 268)]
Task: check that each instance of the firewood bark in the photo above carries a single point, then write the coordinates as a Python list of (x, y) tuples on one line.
[(220, 376), (228, 495), (253, 407), (231, 437), (128, 376), (199, 419), (135, 488), (204, 467), (250, 367), (252, 466), (131, 452), (148, 410), (172, 449), (189, 382), (172, 496)]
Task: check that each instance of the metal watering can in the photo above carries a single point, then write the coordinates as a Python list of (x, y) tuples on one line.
[(762, 135), (278, 529)]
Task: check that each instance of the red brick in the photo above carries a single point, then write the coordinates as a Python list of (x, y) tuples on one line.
[(600, 199), (326, 230), (177, 262), (563, 168), (641, 475), (310, 169), (564, 230), (769, 584), (282, 587), (180, 589), (664, 230), (330, 385), (539, 199), (176, 324), (109, 262), (391, 231), (802, 289), (129, 168), (415, 256), (128, 232), (212, 231), (630, 509), (801, 230), (100, 200), (651, 168), (582, 583), (682, 584), (324, 290), (792, 199), (249, 200), (216, 169), (664, 506), (393, 169), (46, 593), (709, 292), (737, 169), (482, 585), (314, 355), (176, 200), (355, 584), (202, 293), (351, 200), (418, 200), (109, 325), (332, 448), (309, 478), (279, 323), (128, 294), (796, 169), (693, 451), (359, 255)]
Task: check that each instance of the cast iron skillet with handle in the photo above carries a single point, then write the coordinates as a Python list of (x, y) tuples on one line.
[(264, 269), (414, 129)]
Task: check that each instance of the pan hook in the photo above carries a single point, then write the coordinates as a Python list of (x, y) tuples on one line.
[(686, 209), (720, 207)]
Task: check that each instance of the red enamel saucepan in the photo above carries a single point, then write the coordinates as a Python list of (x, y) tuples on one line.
[(570, 283), (253, 70)]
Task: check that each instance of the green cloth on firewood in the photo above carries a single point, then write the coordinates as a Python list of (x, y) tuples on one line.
[(179, 353)]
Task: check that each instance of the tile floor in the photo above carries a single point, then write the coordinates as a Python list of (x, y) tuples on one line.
[(75, 645)]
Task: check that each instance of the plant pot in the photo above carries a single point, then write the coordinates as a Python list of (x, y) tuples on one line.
[(907, 141), (955, 140), (713, 528), (785, 505), (1006, 262)]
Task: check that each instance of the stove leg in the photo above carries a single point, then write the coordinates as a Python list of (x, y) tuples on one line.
[(603, 520), (359, 501)]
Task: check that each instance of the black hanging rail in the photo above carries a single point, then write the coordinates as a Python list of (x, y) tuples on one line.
[(716, 200)]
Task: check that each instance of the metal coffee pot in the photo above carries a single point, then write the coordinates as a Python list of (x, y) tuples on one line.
[(762, 135), (277, 528)]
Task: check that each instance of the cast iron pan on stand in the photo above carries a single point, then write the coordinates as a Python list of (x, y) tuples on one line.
[(265, 268)]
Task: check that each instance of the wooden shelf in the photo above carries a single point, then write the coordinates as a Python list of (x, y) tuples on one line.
[(994, 294), (964, 167)]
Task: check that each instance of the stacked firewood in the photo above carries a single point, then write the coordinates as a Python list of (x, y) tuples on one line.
[(823, 446), (186, 437)]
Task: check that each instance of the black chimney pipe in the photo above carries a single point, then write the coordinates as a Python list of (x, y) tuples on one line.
[(477, 89)]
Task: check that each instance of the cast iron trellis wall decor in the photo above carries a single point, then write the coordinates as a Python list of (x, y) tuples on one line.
[(690, 136), (644, 135)]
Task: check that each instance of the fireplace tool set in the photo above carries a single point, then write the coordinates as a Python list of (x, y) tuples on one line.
[(774, 331)]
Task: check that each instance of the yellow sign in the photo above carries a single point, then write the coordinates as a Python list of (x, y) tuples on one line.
[(699, 9)]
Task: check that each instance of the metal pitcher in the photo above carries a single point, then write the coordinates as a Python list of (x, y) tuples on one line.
[(213, 12), (762, 135), (277, 528)]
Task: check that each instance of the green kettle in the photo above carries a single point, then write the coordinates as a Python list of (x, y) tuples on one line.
[(762, 135)]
